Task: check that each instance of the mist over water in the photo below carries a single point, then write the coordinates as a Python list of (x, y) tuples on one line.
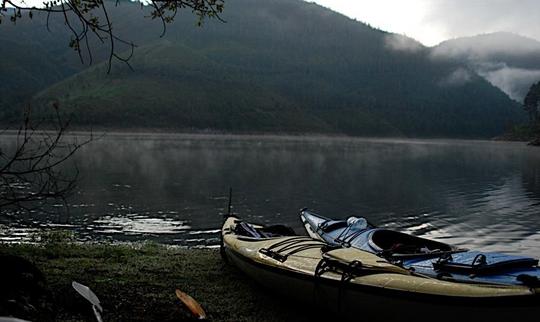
[(173, 188)]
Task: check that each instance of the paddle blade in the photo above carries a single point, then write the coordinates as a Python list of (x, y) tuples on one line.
[(10, 319), (87, 293), (195, 308)]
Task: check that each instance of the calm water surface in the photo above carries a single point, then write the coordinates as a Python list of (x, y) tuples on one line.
[(173, 188)]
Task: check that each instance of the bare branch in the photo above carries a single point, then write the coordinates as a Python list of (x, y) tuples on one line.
[(30, 173)]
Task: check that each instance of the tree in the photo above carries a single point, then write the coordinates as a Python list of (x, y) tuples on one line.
[(531, 103), (85, 18), (31, 173)]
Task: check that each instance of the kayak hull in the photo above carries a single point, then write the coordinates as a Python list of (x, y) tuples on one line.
[(367, 298)]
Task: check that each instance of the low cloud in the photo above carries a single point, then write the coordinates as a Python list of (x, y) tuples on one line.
[(458, 18), (515, 82), (459, 77), (480, 48), (508, 61), (402, 43)]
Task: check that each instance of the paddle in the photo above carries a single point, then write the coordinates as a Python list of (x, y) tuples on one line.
[(87, 293), (195, 308)]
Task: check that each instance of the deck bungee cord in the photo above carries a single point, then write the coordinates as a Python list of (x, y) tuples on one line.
[(283, 249)]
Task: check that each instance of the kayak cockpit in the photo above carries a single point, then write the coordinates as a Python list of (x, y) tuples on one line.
[(252, 231), (395, 243)]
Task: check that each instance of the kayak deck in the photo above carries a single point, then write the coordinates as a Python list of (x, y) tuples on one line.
[(426, 257)]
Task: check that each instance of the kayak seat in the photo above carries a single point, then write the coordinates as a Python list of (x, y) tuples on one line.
[(277, 231)]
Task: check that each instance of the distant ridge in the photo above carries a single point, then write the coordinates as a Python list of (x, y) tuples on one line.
[(282, 66)]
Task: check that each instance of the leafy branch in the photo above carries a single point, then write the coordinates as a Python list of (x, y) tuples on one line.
[(91, 17)]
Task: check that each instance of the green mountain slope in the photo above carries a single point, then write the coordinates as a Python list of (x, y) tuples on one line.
[(282, 66)]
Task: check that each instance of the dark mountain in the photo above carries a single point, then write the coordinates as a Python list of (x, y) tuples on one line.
[(24, 70), (279, 66), (32, 59), (508, 61)]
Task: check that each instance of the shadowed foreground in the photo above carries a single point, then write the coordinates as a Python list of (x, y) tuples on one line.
[(137, 283)]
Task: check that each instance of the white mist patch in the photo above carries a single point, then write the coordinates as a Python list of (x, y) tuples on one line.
[(513, 81), (459, 77), (402, 43), (134, 225), (483, 47), (508, 61)]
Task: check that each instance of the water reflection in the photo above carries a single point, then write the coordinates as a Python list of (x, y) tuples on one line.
[(531, 178), (171, 188), (137, 225)]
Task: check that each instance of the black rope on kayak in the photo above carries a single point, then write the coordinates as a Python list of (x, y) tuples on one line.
[(320, 269), (283, 253), (346, 276), (339, 239), (272, 254), (289, 240), (302, 248), (299, 245), (291, 243), (357, 233), (346, 237), (348, 272), (282, 250)]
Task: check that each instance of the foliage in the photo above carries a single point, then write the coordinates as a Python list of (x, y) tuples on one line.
[(531, 103), (87, 18)]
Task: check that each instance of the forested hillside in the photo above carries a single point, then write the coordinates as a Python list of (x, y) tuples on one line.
[(274, 66)]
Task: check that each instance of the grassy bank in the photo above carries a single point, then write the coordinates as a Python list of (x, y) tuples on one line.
[(137, 283)]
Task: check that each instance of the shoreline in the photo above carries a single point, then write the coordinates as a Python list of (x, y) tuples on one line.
[(529, 134), (138, 284), (203, 135), (119, 131)]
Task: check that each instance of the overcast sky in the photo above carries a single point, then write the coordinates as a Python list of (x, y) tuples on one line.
[(432, 21)]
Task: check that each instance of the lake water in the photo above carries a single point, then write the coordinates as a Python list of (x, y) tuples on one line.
[(173, 188)]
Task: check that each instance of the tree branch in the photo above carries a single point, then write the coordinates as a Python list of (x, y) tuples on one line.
[(31, 175), (84, 17)]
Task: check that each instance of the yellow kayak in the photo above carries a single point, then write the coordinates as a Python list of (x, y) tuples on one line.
[(361, 285)]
